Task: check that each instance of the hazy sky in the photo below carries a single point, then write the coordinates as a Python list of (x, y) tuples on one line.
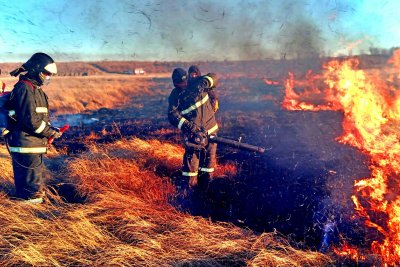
[(194, 30)]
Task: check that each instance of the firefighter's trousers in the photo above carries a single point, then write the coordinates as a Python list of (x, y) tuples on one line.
[(198, 166), (28, 174)]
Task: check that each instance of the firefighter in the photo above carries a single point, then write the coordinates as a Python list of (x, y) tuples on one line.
[(193, 73), (30, 126), (191, 111)]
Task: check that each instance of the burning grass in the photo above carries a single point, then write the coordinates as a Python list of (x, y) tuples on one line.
[(127, 221), (370, 103)]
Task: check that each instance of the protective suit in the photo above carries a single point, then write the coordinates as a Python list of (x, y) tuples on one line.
[(30, 125), (191, 111)]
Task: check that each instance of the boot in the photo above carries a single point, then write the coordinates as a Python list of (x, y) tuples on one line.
[(37, 198)]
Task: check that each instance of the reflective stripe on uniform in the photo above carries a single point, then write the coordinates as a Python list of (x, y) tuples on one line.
[(206, 169), (37, 200), (42, 110), (216, 105), (195, 106), (181, 122), (5, 132), (190, 173), (210, 81), (11, 112), (28, 149), (41, 127), (213, 129)]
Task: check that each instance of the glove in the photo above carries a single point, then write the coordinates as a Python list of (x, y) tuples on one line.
[(200, 138), (191, 127), (57, 133)]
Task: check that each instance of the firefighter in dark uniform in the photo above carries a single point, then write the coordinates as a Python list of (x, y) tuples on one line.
[(191, 111), (30, 126), (193, 73)]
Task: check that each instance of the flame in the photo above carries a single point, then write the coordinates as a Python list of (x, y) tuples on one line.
[(371, 124), (301, 101), (270, 82), (395, 59), (348, 251)]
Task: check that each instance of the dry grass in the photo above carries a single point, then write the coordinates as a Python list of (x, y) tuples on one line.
[(127, 220), (69, 95), (92, 93)]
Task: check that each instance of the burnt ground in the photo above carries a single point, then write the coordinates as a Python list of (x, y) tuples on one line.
[(302, 182)]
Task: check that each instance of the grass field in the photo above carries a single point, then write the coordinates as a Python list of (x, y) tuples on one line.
[(108, 206), (110, 182)]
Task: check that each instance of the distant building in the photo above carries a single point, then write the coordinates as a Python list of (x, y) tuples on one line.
[(139, 71)]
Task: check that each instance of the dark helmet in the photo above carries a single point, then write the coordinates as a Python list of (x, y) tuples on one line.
[(194, 72), (39, 67), (179, 78)]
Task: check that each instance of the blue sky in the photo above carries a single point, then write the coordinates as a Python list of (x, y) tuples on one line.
[(194, 30)]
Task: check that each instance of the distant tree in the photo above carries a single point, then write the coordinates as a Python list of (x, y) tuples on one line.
[(373, 50), (378, 51)]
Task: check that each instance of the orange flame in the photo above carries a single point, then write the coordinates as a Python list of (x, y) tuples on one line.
[(270, 82), (301, 101), (395, 59), (348, 251), (372, 124)]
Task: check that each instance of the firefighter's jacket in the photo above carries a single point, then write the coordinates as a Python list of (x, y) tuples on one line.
[(213, 99), (192, 105), (30, 125)]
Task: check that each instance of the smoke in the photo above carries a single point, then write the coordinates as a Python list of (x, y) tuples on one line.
[(300, 39), (178, 30), (239, 30), (299, 35), (235, 33)]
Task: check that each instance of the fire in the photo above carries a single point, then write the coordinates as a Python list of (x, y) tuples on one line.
[(372, 124), (301, 101), (395, 59), (348, 251), (271, 82)]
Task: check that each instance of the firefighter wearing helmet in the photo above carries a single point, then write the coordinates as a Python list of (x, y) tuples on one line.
[(30, 126), (191, 111), (193, 74)]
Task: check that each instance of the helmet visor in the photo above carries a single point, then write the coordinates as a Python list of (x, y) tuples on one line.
[(50, 69)]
